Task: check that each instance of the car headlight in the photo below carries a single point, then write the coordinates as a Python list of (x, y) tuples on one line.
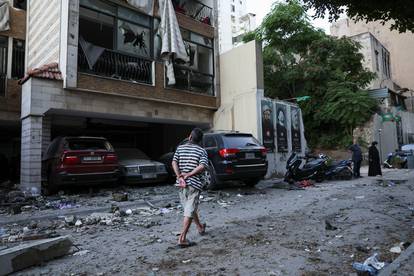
[(161, 168), (132, 169)]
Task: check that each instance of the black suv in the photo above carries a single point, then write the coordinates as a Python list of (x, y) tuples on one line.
[(232, 156)]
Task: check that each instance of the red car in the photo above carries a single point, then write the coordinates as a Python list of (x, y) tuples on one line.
[(78, 161)]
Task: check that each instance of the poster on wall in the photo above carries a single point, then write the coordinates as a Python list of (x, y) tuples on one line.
[(281, 128), (268, 132), (295, 128)]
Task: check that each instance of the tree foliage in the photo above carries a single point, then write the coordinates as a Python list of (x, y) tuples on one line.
[(399, 12), (300, 60)]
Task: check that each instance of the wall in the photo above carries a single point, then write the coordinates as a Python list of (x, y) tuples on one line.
[(399, 45), (369, 44), (41, 96), (241, 76), (43, 32)]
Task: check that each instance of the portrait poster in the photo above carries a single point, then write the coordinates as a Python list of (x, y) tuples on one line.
[(281, 128), (268, 133), (295, 129)]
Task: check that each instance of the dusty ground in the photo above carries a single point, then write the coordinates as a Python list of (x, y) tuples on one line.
[(268, 230)]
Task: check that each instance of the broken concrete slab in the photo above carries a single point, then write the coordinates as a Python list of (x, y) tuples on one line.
[(33, 253)]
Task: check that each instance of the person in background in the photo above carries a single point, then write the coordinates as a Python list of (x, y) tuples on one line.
[(374, 160), (356, 158), (189, 161)]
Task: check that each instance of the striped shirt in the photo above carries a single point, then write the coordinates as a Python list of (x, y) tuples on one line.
[(189, 156)]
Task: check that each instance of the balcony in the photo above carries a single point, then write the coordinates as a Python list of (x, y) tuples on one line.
[(116, 65), (194, 9), (190, 80)]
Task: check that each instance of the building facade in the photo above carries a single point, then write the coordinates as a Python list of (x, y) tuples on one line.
[(399, 46), (234, 22), (94, 68), (12, 52)]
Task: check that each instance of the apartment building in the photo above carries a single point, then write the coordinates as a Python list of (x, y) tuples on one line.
[(94, 67), (12, 52), (234, 22)]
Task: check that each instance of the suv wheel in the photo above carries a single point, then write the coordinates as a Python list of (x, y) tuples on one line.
[(210, 178)]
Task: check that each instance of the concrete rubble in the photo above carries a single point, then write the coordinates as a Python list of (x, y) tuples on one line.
[(33, 253)]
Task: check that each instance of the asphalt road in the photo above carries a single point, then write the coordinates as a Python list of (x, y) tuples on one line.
[(267, 230)]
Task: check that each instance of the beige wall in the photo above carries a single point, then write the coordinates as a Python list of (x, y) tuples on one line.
[(400, 46), (241, 88)]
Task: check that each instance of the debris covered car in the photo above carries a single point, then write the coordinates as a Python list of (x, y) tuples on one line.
[(78, 161), (136, 167)]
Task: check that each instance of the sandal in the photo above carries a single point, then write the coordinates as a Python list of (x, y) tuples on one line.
[(186, 244), (203, 232)]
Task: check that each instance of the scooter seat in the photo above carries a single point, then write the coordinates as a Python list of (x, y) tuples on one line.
[(312, 164)]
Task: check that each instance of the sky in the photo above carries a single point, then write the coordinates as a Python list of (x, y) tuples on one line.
[(264, 7)]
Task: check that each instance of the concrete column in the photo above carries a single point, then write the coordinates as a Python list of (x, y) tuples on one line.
[(31, 155)]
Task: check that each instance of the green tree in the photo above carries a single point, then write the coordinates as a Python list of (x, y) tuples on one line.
[(300, 60), (399, 12)]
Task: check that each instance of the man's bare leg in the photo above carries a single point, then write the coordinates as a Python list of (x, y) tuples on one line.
[(186, 226), (200, 226)]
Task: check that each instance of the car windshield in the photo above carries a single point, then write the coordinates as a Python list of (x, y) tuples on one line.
[(240, 141), (127, 154), (87, 144)]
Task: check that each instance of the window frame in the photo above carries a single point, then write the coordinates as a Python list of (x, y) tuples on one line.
[(117, 18), (3, 75)]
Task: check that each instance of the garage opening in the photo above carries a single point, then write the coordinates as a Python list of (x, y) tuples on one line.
[(154, 139)]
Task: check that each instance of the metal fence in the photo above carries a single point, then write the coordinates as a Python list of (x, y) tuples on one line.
[(118, 66)]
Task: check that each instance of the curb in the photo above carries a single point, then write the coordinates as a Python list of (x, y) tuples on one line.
[(392, 269), (68, 212)]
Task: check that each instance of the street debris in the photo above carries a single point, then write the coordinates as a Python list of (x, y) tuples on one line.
[(359, 197), (371, 265), (329, 226), (81, 253), (120, 196)]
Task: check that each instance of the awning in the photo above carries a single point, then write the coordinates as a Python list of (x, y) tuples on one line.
[(173, 47), (4, 15)]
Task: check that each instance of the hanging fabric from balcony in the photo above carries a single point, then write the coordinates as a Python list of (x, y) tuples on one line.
[(92, 52), (4, 15), (146, 6), (173, 47)]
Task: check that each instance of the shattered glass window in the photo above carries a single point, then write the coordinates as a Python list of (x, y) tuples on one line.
[(133, 39)]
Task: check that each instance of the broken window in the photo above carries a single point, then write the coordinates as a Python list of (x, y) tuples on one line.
[(198, 74), (3, 64), (20, 4), (18, 59), (115, 42)]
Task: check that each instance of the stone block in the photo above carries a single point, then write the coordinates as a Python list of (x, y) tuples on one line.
[(33, 253)]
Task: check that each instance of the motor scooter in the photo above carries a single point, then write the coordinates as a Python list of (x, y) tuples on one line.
[(313, 170)]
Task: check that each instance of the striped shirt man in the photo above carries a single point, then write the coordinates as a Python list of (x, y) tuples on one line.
[(188, 157)]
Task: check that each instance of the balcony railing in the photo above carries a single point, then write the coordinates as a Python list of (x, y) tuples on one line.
[(190, 80), (117, 65), (195, 10)]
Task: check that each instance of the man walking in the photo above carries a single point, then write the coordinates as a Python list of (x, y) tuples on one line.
[(189, 161), (356, 158)]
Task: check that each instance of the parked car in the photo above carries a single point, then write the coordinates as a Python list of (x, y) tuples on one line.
[(136, 167), (232, 156), (78, 161)]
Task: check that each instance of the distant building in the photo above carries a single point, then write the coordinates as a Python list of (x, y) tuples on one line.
[(399, 46), (234, 22)]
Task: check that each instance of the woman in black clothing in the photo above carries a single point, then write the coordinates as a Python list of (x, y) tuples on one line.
[(374, 160)]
